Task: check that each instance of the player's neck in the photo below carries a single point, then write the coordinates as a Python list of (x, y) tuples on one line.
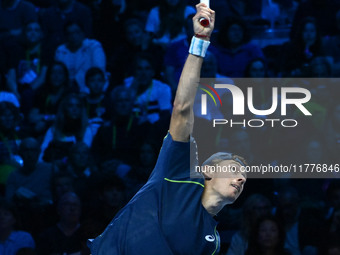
[(212, 202)]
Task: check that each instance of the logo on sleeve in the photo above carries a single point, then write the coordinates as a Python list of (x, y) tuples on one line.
[(210, 238)]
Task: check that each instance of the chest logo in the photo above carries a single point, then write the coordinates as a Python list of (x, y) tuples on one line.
[(210, 238)]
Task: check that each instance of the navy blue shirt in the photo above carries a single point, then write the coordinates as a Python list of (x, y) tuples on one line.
[(166, 216)]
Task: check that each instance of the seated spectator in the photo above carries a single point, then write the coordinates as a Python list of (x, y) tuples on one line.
[(303, 226), (267, 237), (64, 237), (153, 97), (28, 61), (48, 98), (166, 21), (70, 126), (255, 207), (95, 100), (115, 142), (54, 19), (302, 49), (323, 11), (109, 196), (32, 181), (12, 240), (142, 168), (135, 41), (80, 54), (234, 50), (29, 187), (9, 138), (14, 14), (256, 68), (81, 167), (61, 183)]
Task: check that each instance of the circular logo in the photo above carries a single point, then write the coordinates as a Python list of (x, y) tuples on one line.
[(209, 238)]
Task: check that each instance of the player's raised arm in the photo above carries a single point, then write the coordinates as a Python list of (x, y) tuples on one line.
[(182, 119)]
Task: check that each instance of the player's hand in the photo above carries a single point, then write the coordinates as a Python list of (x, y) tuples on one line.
[(202, 11)]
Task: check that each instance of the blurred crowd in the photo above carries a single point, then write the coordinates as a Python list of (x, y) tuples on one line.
[(86, 93)]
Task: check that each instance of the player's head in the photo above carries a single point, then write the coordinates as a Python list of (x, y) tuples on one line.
[(225, 176)]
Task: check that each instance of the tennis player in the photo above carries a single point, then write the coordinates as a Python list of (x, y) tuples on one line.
[(172, 213)]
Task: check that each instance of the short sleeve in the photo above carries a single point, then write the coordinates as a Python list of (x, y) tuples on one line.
[(174, 159)]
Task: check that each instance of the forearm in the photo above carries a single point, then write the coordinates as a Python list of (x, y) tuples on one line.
[(182, 119)]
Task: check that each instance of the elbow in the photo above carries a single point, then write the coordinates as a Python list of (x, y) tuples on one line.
[(181, 109)]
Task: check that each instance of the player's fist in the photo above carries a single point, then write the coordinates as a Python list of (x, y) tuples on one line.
[(202, 11)]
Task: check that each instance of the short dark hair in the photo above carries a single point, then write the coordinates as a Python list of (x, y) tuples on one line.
[(222, 37), (144, 56), (218, 157), (71, 23)]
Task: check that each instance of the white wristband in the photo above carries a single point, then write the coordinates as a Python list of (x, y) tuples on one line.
[(198, 47)]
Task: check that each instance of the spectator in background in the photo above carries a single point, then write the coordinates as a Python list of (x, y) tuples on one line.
[(61, 183), (324, 12), (255, 207), (135, 41), (64, 237), (302, 49), (9, 139), (108, 197), (47, 99), (303, 227), (234, 51), (11, 239), (80, 54), (14, 14), (57, 16), (257, 68), (32, 181), (95, 100), (29, 187), (166, 22), (29, 58), (142, 168), (152, 97), (267, 237), (70, 126), (115, 143), (81, 167)]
